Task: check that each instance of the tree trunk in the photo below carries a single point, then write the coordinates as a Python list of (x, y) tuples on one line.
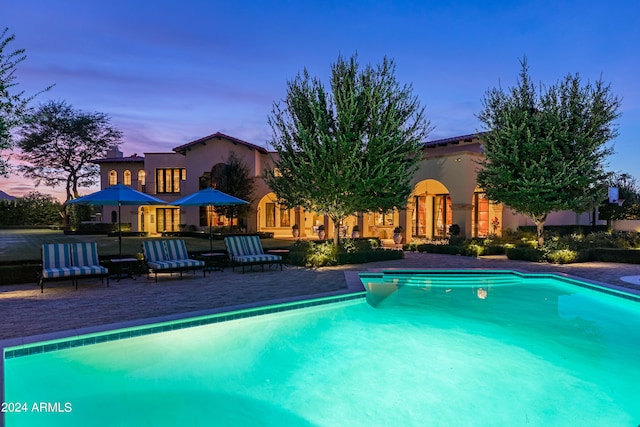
[(540, 233), (65, 216), (336, 231)]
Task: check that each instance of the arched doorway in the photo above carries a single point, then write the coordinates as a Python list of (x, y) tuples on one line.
[(277, 219), (274, 218), (433, 213)]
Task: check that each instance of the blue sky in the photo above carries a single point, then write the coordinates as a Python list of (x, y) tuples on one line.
[(170, 72)]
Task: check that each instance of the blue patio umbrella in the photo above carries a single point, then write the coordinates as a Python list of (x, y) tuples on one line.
[(209, 197), (118, 195)]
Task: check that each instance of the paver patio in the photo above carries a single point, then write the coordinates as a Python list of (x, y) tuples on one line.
[(26, 312)]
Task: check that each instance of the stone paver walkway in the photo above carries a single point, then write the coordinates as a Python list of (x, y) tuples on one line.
[(25, 312)]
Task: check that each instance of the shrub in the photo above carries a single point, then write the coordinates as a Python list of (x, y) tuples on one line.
[(411, 246), (97, 228), (350, 251), (629, 256), (563, 256), (441, 249), (496, 249), (525, 254), (563, 230), (560, 249), (322, 254), (369, 256), (474, 249)]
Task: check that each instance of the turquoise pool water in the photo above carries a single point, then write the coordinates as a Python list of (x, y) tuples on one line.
[(437, 350)]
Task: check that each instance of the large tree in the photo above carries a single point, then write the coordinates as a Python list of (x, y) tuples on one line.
[(58, 144), (546, 149), (232, 177), (352, 149), (13, 103)]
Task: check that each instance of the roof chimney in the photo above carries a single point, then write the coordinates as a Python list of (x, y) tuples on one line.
[(114, 152)]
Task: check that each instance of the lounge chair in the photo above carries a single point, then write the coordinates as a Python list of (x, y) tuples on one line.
[(72, 261), (169, 256), (247, 250)]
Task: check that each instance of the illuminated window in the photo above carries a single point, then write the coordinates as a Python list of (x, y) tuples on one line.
[(126, 177), (168, 219), (168, 180), (480, 215), (113, 177), (270, 215), (442, 215), (285, 217), (142, 177), (384, 218)]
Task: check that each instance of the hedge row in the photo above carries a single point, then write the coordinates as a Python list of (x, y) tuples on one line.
[(25, 273), (560, 256), (467, 250), (563, 230), (565, 256), (628, 256), (302, 258)]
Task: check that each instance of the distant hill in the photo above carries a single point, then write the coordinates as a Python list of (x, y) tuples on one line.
[(5, 196)]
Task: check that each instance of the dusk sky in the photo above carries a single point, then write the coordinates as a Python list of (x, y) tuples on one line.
[(170, 72)]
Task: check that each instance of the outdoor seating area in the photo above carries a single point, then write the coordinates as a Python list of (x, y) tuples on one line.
[(71, 261), (247, 251), (169, 256)]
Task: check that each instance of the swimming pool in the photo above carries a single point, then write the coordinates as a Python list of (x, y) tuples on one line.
[(421, 349)]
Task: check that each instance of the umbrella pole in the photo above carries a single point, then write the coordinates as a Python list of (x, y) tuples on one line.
[(119, 230), (210, 229)]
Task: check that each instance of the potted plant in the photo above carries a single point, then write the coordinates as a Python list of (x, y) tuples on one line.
[(355, 232), (397, 235), (295, 231), (321, 233), (454, 231)]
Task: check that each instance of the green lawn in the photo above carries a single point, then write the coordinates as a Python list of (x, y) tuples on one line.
[(24, 244)]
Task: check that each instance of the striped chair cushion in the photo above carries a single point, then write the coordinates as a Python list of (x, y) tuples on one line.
[(176, 249), (186, 263), (253, 245), (84, 254), (176, 264), (235, 246), (50, 273), (257, 258), (154, 250), (92, 270), (55, 255)]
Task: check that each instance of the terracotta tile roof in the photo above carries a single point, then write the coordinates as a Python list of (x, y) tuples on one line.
[(183, 148), (131, 159)]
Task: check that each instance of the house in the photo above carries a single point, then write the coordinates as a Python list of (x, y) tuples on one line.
[(445, 193)]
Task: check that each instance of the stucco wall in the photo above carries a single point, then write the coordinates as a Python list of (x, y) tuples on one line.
[(626, 225), (513, 220)]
